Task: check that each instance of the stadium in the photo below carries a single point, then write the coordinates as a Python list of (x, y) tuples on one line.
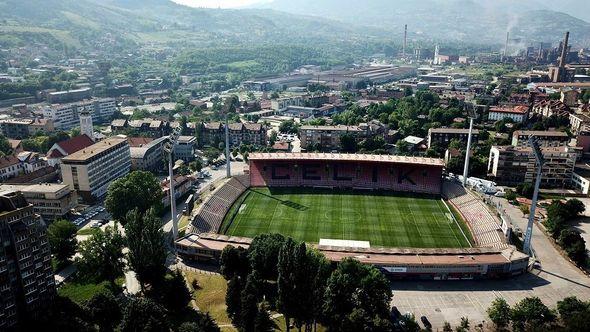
[(397, 213)]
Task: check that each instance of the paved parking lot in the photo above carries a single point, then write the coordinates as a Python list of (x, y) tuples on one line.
[(442, 301)]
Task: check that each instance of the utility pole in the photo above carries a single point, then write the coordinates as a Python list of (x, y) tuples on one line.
[(540, 161)]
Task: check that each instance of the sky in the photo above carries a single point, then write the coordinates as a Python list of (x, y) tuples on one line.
[(219, 3)]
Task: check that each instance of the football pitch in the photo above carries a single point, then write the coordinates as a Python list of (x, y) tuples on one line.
[(384, 219)]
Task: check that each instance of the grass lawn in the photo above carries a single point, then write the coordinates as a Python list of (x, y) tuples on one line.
[(87, 231), (210, 296), (385, 220), (79, 291)]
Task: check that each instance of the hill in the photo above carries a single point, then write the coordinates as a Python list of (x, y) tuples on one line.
[(458, 20)]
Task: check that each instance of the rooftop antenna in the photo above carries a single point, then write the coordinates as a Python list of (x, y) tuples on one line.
[(540, 161)]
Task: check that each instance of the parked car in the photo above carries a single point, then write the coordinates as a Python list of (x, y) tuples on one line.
[(426, 323)]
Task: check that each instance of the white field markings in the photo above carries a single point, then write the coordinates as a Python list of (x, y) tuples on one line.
[(456, 223), (415, 223)]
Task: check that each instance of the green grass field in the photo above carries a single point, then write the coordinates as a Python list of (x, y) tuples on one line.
[(385, 220)]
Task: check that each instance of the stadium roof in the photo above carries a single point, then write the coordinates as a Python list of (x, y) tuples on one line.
[(347, 157)]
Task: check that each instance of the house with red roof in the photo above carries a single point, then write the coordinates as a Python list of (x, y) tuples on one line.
[(65, 148)]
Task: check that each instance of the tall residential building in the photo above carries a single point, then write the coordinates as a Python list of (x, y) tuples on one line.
[(544, 138), (442, 137), (27, 285), (185, 148), (86, 127), (91, 170), (510, 165), (67, 116)]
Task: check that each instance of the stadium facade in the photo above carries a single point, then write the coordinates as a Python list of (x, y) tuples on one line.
[(490, 257)]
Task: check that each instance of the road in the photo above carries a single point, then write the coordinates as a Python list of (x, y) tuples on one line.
[(451, 300)]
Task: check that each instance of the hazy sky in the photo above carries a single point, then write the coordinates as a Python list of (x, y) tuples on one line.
[(219, 3)]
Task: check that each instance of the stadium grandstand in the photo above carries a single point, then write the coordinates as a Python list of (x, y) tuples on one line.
[(420, 214)]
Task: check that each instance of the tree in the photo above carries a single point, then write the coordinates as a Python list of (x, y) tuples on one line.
[(525, 189), (463, 326), (101, 256), (263, 322), (530, 312), (143, 314), (288, 127), (250, 297), (348, 143), (408, 92), (62, 239), (104, 311), (138, 190), (447, 327), (355, 286), (510, 195), (196, 166), (574, 313), (263, 254), (174, 295), (233, 299), (287, 284), (575, 207), (234, 262), (202, 323), (499, 313), (147, 250), (574, 245), (5, 147)]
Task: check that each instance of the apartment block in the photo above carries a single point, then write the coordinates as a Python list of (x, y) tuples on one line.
[(50, 200), (27, 285), (91, 170), (239, 133), (442, 136), (23, 128), (328, 137), (517, 113), (510, 165), (67, 116), (544, 138), (185, 148), (148, 156)]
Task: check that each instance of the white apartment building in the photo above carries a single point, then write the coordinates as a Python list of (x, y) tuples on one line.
[(91, 170), (67, 116)]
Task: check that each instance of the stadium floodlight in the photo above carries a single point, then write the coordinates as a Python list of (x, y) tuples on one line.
[(227, 160), (169, 148), (540, 161), (472, 116)]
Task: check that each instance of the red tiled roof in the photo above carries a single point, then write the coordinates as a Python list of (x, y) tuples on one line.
[(55, 154), (135, 142), (75, 144), (516, 110), (8, 161)]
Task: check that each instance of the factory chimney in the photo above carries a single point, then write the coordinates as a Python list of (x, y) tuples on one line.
[(405, 40), (506, 45), (563, 58)]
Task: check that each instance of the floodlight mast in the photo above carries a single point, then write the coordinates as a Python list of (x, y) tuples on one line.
[(169, 148), (227, 163), (472, 116), (540, 161)]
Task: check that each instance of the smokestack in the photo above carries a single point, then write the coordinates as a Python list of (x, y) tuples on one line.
[(405, 39), (563, 59), (506, 46)]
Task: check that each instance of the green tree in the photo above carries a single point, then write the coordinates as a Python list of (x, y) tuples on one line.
[(510, 195), (263, 254), (355, 286), (202, 323), (408, 92), (143, 314), (575, 207), (234, 262), (574, 245), (250, 297), (447, 327), (348, 143), (138, 190), (263, 322), (104, 311), (62, 239), (233, 299), (499, 313), (463, 326), (287, 284), (101, 256), (5, 147), (529, 313), (289, 127), (526, 189), (147, 250), (574, 314)]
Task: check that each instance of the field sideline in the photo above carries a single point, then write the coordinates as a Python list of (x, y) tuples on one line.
[(385, 220)]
